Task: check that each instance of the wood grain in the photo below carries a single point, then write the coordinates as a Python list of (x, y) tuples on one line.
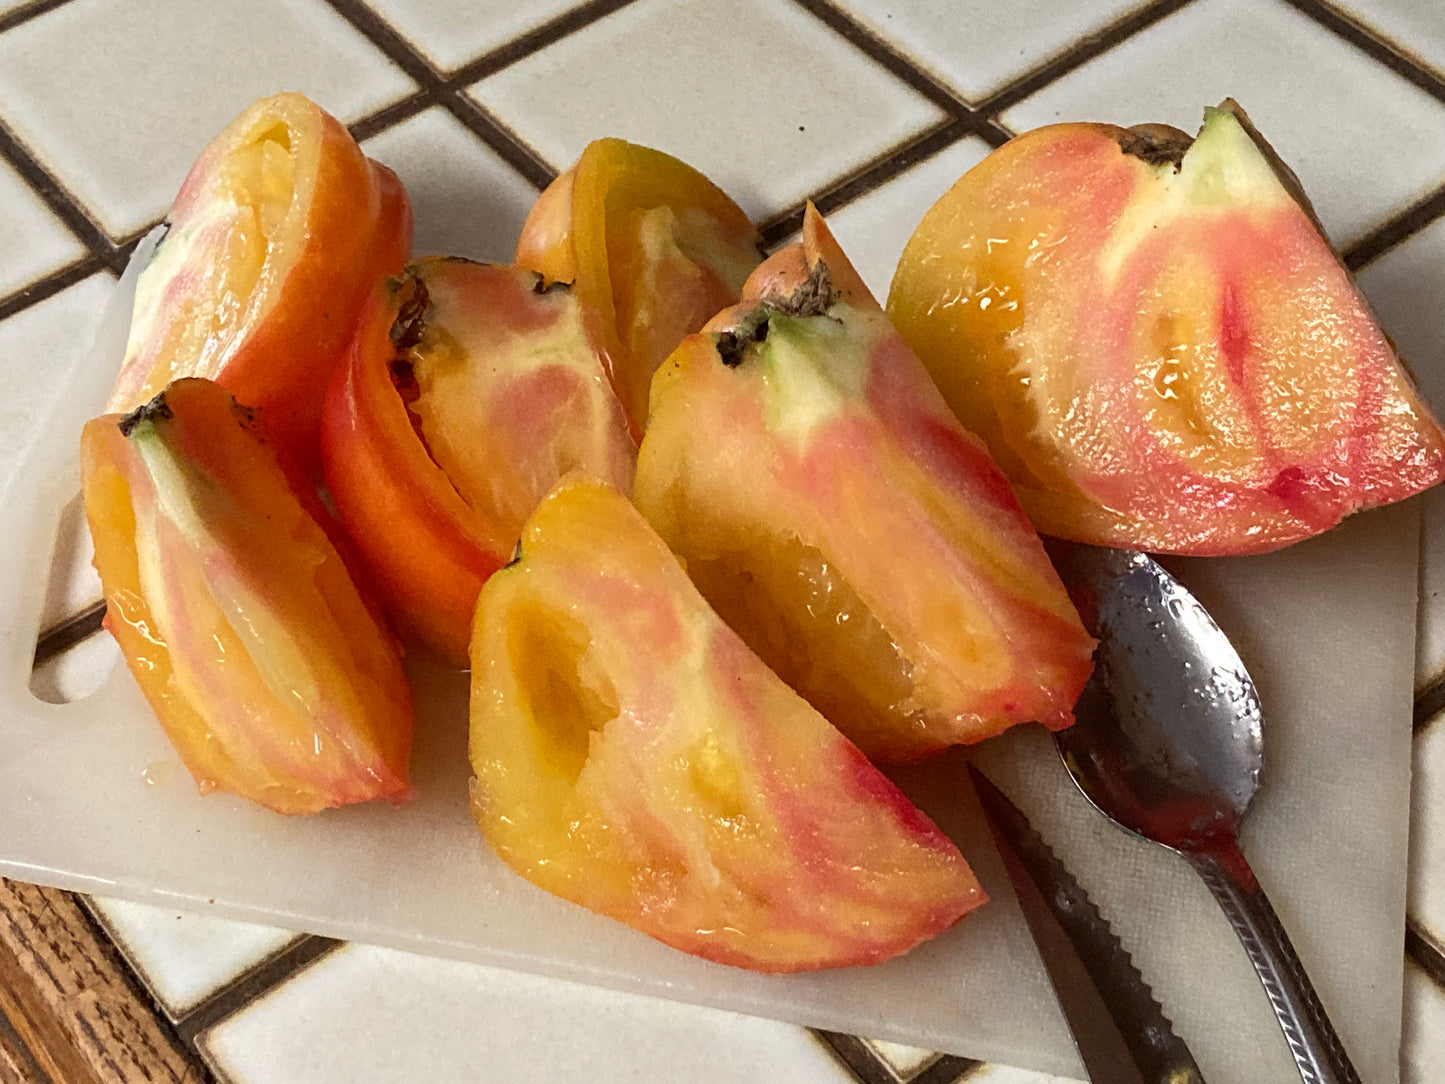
[(71, 1012)]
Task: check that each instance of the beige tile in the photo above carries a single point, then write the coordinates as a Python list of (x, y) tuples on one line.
[(761, 97), (33, 242), (874, 228), (905, 1061), (465, 199), (451, 32), (117, 97), (975, 47), (1364, 142), (183, 957), (378, 1015)]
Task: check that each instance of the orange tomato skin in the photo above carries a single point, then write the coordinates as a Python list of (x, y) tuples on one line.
[(261, 658), (273, 342), (653, 248), (427, 550)]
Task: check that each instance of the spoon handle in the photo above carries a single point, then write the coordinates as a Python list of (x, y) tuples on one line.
[(1316, 1047)]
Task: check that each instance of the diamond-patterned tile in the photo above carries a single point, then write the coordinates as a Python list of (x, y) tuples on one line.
[(465, 199), (447, 1021), (1422, 1043), (1417, 27), (117, 97), (184, 958), (976, 47), (874, 228), (451, 32), (1365, 143), (761, 97), (33, 241)]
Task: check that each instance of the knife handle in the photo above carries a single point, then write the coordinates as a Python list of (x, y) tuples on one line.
[(1316, 1047)]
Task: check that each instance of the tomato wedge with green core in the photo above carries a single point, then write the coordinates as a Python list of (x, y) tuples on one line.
[(653, 247), (278, 235), (831, 509), (469, 391), (633, 756), (271, 674), (1158, 344)]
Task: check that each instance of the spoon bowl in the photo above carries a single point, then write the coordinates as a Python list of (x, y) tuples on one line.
[(1168, 742)]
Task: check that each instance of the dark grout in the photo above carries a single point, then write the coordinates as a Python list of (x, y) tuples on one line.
[(50, 285), (62, 637), (1397, 230), (1395, 57), (1421, 948), (25, 12), (381, 34), (1080, 53), (508, 145), (254, 983), (856, 1056), (534, 41), (947, 1069), (392, 115), (1429, 703), (61, 202)]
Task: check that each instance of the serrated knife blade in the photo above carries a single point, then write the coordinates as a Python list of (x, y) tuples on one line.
[(1121, 1032)]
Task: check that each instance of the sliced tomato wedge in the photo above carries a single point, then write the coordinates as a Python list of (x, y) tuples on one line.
[(469, 390), (273, 676), (279, 233)]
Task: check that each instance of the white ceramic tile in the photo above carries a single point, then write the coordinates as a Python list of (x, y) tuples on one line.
[(874, 228), (38, 347), (76, 673), (977, 46), (905, 1061), (452, 32), (117, 97), (1422, 1042), (1364, 142), (1416, 26), (378, 1015), (1404, 286), (33, 242), (760, 96), (466, 200), (1427, 832), (184, 957)]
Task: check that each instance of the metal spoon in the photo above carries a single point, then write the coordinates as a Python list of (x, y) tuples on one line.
[(1168, 743)]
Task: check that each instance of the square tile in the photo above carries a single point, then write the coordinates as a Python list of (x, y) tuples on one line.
[(874, 228), (183, 957), (118, 97), (379, 1015), (1365, 143), (976, 47), (451, 32), (33, 241), (1416, 27), (465, 199), (761, 97), (1422, 1044)]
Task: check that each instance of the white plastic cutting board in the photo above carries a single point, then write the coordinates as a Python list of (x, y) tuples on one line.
[(1326, 629)]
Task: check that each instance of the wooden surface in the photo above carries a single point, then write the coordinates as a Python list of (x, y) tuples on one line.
[(69, 1010)]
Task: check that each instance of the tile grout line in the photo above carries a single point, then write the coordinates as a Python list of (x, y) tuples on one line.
[(1395, 231), (856, 1056), (1083, 50), (533, 41), (1424, 951), (1378, 47), (47, 286), (25, 12), (56, 197), (948, 1069), (61, 637), (254, 983)]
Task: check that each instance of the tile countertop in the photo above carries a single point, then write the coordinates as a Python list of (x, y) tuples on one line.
[(870, 107)]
